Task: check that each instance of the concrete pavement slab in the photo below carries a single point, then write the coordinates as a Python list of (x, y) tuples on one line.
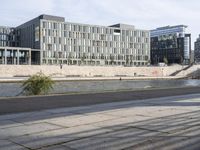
[(118, 139), (150, 124), (82, 120), (60, 136), (9, 123), (56, 147), (7, 145), (26, 129), (162, 143)]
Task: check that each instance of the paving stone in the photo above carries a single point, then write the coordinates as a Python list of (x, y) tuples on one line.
[(39, 140), (105, 143), (114, 140), (57, 147), (26, 129), (133, 111), (82, 120), (34, 116), (160, 123), (7, 145), (161, 143), (119, 123), (168, 112), (188, 131), (8, 124)]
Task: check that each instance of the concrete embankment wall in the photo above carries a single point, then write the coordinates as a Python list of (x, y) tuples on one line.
[(85, 71)]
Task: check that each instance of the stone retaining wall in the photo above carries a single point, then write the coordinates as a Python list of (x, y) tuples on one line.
[(85, 71)]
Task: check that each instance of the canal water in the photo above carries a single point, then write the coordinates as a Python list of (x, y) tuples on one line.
[(15, 89)]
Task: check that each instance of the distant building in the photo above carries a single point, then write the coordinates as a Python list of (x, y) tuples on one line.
[(170, 43), (54, 41), (192, 60), (8, 37), (10, 52), (197, 50)]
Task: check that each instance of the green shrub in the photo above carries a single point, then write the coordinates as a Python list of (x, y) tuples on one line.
[(38, 84)]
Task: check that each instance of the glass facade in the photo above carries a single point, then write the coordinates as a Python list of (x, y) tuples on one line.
[(171, 44), (6, 36), (197, 50)]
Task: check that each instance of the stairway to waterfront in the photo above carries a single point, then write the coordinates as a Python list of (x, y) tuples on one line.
[(183, 69), (188, 70)]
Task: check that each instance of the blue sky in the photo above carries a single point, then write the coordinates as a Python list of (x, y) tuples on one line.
[(144, 14)]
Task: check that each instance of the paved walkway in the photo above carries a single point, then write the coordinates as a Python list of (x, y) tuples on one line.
[(159, 123)]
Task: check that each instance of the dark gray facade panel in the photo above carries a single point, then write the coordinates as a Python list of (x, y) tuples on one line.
[(52, 18), (27, 34), (123, 26)]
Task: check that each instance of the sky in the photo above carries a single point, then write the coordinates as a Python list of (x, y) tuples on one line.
[(144, 14)]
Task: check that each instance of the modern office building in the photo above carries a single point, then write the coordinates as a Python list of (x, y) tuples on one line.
[(8, 37), (54, 41), (170, 44), (10, 52), (197, 50)]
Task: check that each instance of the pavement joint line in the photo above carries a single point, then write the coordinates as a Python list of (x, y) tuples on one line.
[(47, 131), (10, 127), (150, 130), (83, 124), (22, 123), (47, 146), (151, 119), (56, 125), (28, 134), (139, 144), (75, 139), (28, 148), (141, 115)]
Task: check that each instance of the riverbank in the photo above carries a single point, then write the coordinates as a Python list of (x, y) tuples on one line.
[(60, 79), (7, 71)]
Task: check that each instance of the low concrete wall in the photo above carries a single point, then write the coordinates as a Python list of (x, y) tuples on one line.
[(85, 71)]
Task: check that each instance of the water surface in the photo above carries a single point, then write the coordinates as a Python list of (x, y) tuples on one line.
[(14, 89)]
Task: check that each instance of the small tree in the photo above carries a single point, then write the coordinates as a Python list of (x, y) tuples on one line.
[(83, 58), (112, 59), (149, 62), (127, 60), (38, 84)]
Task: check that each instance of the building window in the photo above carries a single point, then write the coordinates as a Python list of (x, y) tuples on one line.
[(44, 25)]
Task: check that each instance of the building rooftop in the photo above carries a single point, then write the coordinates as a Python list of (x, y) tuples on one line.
[(178, 29), (50, 17), (123, 26), (62, 19), (170, 27)]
